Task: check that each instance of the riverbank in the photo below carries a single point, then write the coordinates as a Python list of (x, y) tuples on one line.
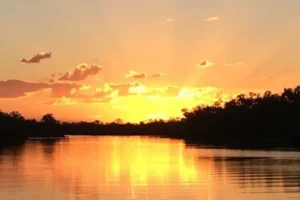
[(247, 121)]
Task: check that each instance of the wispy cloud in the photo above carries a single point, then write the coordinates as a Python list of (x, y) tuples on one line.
[(136, 75), (169, 20), (233, 64), (55, 75), (37, 57), (158, 75), (141, 89), (81, 72), (170, 91), (204, 64), (85, 87), (215, 18), (123, 88), (63, 101), (142, 75)]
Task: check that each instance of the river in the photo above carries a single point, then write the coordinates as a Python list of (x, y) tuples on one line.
[(115, 168)]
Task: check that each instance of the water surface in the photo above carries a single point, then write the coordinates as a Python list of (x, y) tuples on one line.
[(113, 168)]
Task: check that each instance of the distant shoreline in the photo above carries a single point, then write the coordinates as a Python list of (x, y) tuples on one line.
[(265, 147), (248, 121)]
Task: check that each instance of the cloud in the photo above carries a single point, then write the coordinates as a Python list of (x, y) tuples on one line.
[(37, 58), (77, 97), (18, 88), (100, 93), (64, 90), (205, 95), (42, 92), (112, 90), (60, 101), (215, 18), (169, 20), (158, 75), (204, 64), (97, 100), (66, 93), (233, 64), (138, 75), (85, 87), (123, 88), (141, 89), (169, 91), (81, 72), (56, 74)]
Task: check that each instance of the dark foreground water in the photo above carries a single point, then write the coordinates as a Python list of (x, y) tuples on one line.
[(112, 168)]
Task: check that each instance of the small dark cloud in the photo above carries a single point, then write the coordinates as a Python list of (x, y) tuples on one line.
[(37, 58), (81, 72), (204, 64)]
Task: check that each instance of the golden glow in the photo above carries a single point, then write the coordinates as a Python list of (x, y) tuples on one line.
[(230, 48), (133, 168), (124, 164)]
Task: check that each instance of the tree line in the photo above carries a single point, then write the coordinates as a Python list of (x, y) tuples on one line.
[(247, 120)]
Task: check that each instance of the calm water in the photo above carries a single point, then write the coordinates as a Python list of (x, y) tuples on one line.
[(112, 168)]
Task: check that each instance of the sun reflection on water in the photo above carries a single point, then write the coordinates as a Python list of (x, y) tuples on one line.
[(141, 168)]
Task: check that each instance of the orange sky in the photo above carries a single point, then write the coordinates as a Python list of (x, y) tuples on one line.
[(137, 60)]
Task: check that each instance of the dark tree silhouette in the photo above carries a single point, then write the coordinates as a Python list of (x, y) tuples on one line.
[(49, 119), (247, 121)]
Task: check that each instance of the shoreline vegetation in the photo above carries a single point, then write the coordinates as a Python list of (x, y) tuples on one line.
[(250, 121)]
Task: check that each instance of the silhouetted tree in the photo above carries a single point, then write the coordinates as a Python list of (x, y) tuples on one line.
[(118, 121), (49, 119)]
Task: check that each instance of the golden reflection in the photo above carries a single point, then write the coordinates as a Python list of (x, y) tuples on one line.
[(128, 164), (136, 168)]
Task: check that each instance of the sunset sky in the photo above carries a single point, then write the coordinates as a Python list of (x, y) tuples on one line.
[(137, 59)]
